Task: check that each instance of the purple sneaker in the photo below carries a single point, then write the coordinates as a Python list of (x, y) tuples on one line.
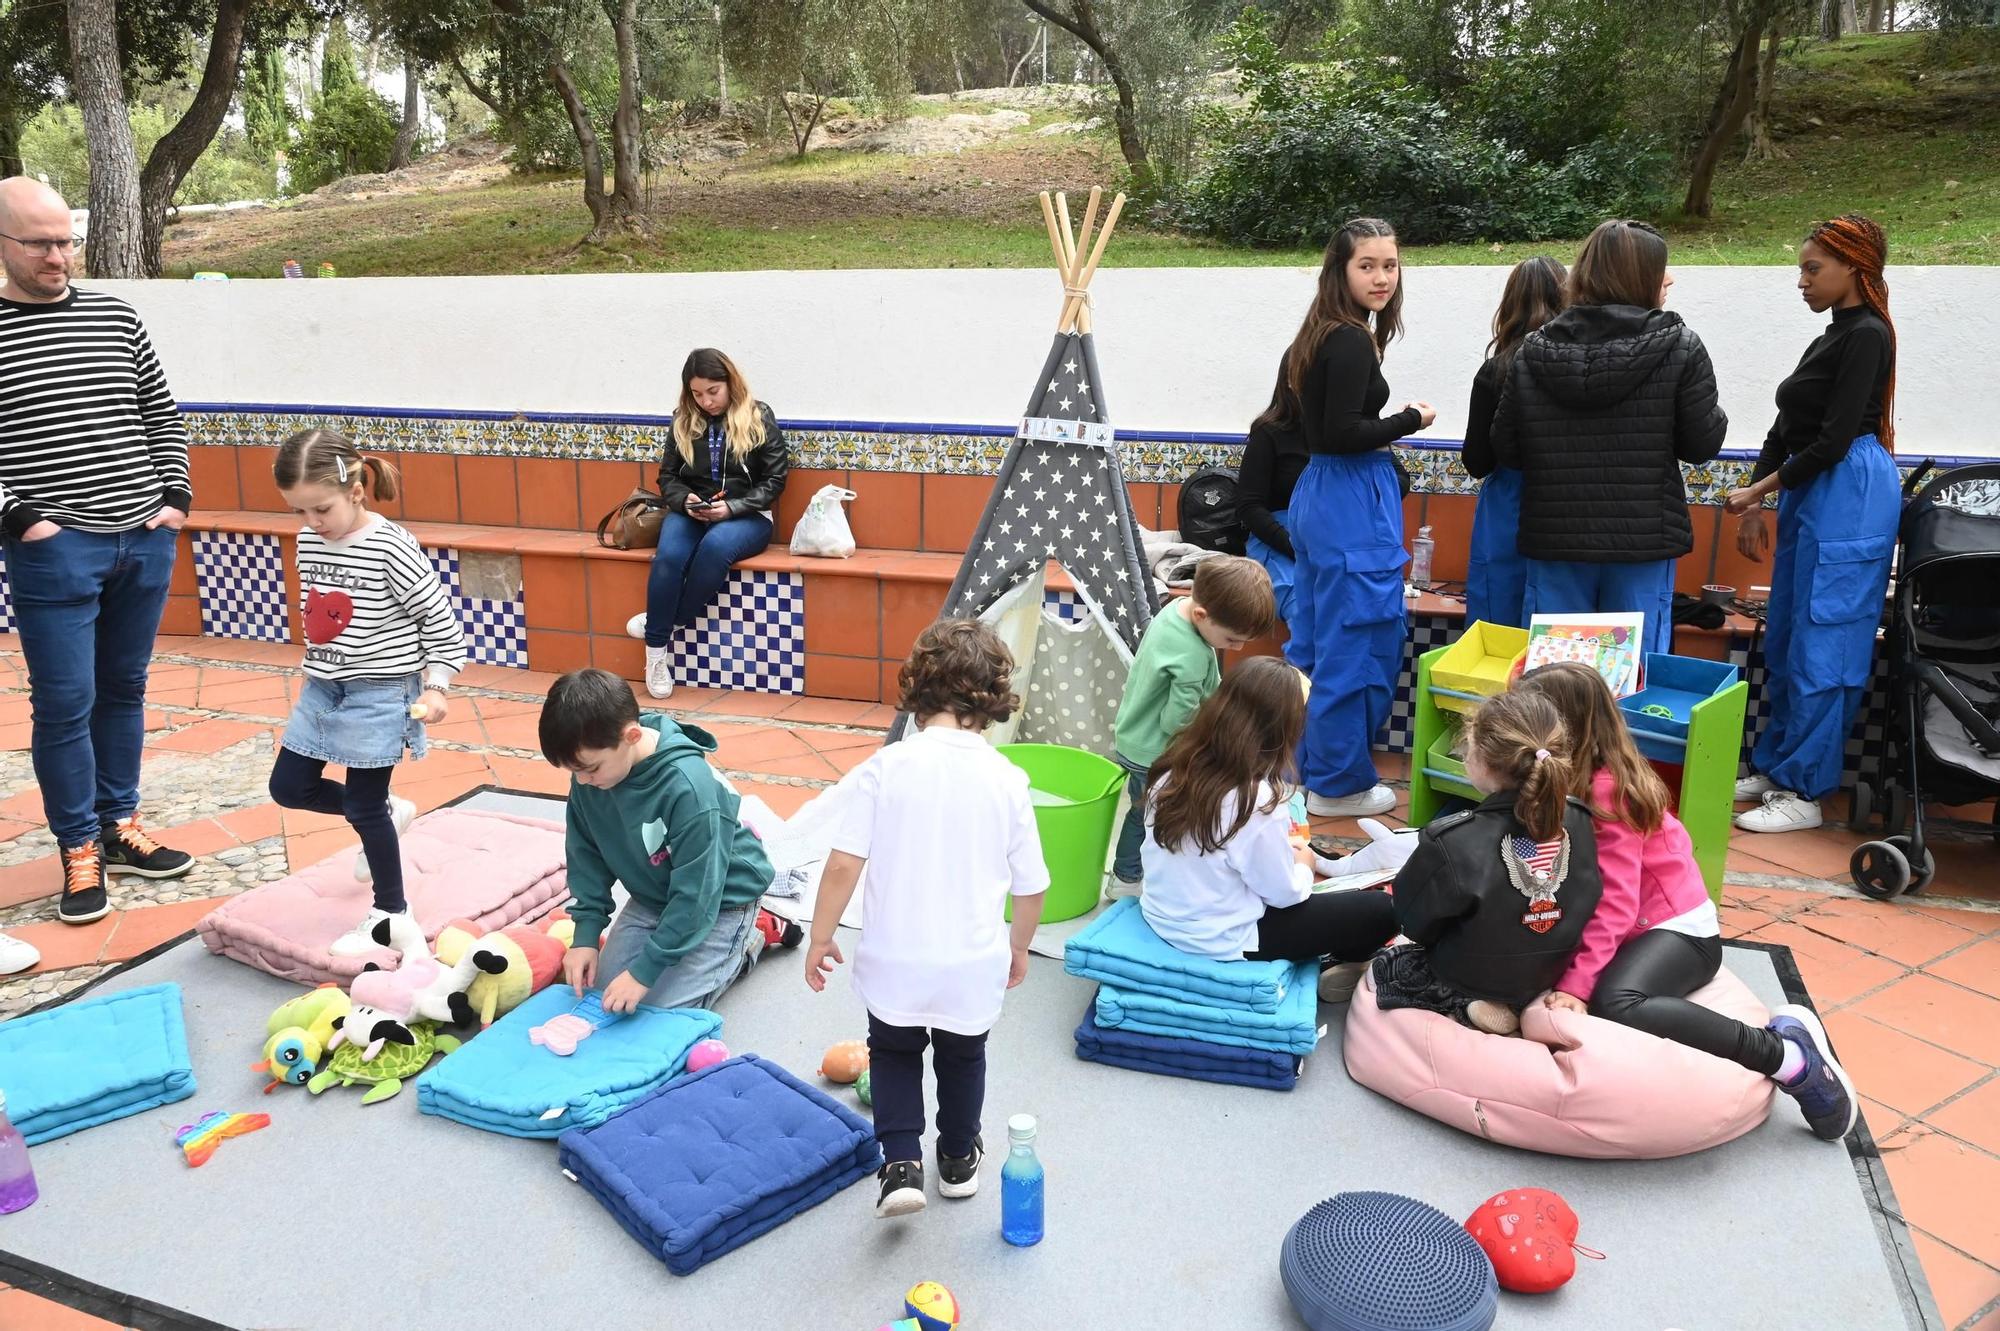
[(1825, 1095)]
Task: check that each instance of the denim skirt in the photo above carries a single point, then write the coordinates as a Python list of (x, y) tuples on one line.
[(357, 722)]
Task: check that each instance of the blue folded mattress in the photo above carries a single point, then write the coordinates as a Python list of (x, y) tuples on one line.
[(1119, 948), (94, 1060), (1292, 1029), (1200, 1060), (504, 1082), (711, 1161)]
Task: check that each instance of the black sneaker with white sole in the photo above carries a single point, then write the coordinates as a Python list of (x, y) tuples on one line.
[(130, 849), (958, 1176), (84, 898), (902, 1189)]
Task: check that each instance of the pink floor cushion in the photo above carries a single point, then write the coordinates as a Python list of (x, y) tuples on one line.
[(493, 869), (1569, 1085)]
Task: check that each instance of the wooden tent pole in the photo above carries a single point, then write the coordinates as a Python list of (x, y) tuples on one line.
[(1082, 281)]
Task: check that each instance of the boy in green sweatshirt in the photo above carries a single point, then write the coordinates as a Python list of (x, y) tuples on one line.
[(646, 810), (1174, 669)]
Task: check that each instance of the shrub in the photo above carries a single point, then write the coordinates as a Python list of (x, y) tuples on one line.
[(352, 132)]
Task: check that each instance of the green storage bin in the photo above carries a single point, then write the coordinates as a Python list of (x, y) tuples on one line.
[(1441, 767), (1076, 812), (1477, 666)]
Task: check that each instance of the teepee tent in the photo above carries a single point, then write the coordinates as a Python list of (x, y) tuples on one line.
[(1060, 496)]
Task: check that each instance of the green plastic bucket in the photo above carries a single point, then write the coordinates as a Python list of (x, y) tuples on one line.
[(1076, 811)]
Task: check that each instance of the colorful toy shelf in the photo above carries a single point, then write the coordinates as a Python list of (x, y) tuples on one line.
[(1478, 665), (1700, 735)]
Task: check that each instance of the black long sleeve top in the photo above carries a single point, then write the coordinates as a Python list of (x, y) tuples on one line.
[(1832, 398), (1342, 394), (1273, 459), (1477, 455)]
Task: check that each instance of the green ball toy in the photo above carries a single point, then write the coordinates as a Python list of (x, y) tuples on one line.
[(863, 1089)]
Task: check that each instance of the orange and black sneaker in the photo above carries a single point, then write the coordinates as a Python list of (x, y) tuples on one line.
[(83, 898), (129, 849)]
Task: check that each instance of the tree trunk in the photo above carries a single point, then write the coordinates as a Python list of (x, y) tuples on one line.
[(802, 133), (1877, 11), (586, 142), (1083, 24), (413, 106), (627, 212), (174, 155), (1732, 105), (1014, 75), (115, 248), (10, 144), (1762, 148)]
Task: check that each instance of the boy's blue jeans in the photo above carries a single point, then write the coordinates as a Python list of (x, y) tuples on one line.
[(697, 979), (1126, 865), (88, 605)]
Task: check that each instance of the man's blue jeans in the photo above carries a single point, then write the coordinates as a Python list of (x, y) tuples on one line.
[(691, 564), (88, 605)]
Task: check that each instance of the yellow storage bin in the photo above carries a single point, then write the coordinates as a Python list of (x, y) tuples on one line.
[(1477, 666)]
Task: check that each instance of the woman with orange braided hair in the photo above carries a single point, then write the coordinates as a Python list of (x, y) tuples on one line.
[(1828, 455)]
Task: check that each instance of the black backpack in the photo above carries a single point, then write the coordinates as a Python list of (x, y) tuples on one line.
[(1208, 511)]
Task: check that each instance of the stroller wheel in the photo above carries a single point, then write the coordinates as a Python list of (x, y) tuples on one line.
[(1920, 874), (1879, 870), (1860, 807)]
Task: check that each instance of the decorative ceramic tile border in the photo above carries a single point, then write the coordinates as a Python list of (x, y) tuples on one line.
[(241, 580)]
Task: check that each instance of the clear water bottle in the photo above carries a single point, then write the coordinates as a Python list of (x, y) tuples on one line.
[(17, 1177), (1420, 557), (1021, 1185)]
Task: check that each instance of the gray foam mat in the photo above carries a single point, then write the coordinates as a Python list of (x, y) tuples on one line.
[(1167, 1200)]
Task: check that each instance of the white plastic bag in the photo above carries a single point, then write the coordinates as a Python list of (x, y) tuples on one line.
[(823, 529)]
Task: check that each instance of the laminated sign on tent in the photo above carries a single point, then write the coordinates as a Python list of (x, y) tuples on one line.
[(1060, 496)]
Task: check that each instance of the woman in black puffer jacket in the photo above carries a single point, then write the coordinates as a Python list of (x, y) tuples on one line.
[(1603, 404)]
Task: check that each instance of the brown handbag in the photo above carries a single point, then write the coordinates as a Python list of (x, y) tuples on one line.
[(634, 524)]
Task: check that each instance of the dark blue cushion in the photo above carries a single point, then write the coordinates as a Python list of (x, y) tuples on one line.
[(711, 1161), (1374, 1261), (1176, 1057)]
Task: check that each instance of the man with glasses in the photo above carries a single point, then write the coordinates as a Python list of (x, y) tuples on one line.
[(93, 489)]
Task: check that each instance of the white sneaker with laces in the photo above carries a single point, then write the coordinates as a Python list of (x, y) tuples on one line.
[(402, 813), (1338, 980), (660, 671), (636, 626), (1376, 799), (1781, 811), (1117, 889), (399, 932), (1753, 787), (17, 955)]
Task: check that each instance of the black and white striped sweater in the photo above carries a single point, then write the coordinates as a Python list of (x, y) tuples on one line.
[(90, 436)]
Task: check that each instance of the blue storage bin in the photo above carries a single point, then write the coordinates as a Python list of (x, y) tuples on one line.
[(1679, 684)]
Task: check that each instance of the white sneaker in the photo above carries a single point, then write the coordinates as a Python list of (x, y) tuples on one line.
[(17, 955), (1781, 811), (1338, 981), (402, 813), (1117, 889), (1493, 1018), (636, 626), (1753, 787), (399, 933), (1376, 799), (660, 671)]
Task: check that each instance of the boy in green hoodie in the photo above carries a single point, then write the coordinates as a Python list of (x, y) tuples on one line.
[(646, 810)]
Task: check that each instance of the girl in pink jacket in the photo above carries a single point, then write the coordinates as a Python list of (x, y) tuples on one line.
[(1655, 937)]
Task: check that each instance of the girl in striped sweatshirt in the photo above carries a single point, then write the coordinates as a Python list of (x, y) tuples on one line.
[(382, 645)]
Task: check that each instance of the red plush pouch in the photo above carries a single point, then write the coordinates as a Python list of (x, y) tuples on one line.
[(1530, 1236)]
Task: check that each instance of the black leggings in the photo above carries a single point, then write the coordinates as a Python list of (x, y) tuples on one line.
[(299, 782), (1646, 987), (1347, 926)]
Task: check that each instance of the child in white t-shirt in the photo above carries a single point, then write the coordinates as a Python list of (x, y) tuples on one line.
[(947, 831)]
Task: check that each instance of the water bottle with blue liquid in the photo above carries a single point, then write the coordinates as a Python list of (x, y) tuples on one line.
[(1021, 1185)]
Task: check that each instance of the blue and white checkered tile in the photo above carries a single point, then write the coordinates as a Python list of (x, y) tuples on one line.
[(241, 578), (1067, 606), (1426, 632), (6, 599), (752, 638), (496, 632), (1868, 743)]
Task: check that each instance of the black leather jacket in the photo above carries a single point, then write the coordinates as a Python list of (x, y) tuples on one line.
[(751, 485), (1455, 898)]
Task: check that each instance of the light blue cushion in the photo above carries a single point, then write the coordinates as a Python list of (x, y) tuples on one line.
[(1292, 1029), (1119, 948), (94, 1060)]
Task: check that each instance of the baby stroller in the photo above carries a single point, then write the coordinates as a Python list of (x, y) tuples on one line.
[(1944, 653)]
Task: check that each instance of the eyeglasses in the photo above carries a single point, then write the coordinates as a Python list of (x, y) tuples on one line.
[(43, 248)]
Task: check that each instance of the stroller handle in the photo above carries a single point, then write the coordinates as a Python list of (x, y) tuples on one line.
[(1916, 477)]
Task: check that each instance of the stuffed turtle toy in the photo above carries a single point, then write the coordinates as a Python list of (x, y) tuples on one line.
[(382, 1064)]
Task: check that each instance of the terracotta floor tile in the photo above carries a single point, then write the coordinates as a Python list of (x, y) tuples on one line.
[(1903, 1073), (690, 699), (146, 928), (1973, 1117), (187, 696), (878, 714), (1392, 766), (30, 881), (65, 945), (203, 837), (207, 736), (1977, 967), (826, 711), (1883, 1121), (492, 709), (441, 762), (234, 696), (470, 731), (519, 731), (1967, 869), (14, 709), (440, 791), (812, 766), (10, 829), (1973, 921), (18, 1308), (1834, 972), (1743, 862), (752, 704), (1960, 1285), (24, 807), (159, 720), (1957, 1019), (846, 760), (1886, 928), (833, 741), (18, 737), (1946, 1189), (740, 747), (528, 774), (304, 822), (1820, 853), (507, 679), (783, 800), (310, 849), (254, 823)]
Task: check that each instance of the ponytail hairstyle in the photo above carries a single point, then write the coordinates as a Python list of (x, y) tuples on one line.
[(1334, 303), (1859, 243), (1534, 295), (1599, 740), (743, 423), (1519, 737), (328, 457), (1244, 734)]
